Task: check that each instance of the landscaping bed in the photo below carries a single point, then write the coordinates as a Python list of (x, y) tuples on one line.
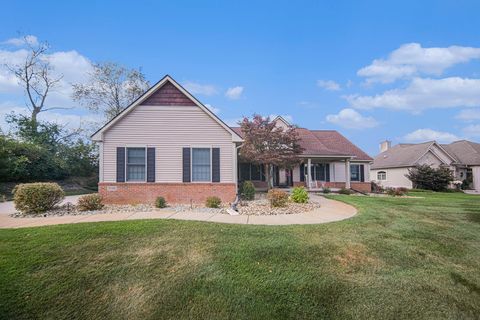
[(263, 207)]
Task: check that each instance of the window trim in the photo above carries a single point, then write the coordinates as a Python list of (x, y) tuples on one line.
[(144, 147), (382, 172), (191, 163)]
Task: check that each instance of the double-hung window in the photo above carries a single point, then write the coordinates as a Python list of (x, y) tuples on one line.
[(201, 165), (355, 172), (381, 175), (136, 164)]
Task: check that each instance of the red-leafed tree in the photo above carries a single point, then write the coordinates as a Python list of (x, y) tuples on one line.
[(269, 145)]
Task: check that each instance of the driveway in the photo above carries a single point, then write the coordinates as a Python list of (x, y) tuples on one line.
[(329, 211)]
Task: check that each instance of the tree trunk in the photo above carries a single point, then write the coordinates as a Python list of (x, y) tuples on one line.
[(269, 175), (35, 112)]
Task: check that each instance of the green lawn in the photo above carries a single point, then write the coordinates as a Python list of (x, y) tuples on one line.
[(397, 259)]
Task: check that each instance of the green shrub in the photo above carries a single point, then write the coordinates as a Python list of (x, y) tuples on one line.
[(396, 192), (426, 177), (160, 202), (278, 198), (248, 190), (345, 191), (37, 197), (213, 202), (326, 190), (90, 202), (299, 195)]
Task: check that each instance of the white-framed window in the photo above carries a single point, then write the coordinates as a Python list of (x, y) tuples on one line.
[(355, 172), (136, 164), (201, 164), (381, 175)]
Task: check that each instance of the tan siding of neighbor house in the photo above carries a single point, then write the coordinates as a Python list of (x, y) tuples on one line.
[(395, 178), (168, 129), (476, 178)]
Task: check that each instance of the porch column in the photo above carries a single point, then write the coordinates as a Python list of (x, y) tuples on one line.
[(309, 172), (347, 173)]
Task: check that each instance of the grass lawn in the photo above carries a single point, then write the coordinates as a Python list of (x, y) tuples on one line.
[(397, 259)]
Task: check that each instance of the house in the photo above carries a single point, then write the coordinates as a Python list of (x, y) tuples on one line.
[(392, 164), (328, 160), (167, 143)]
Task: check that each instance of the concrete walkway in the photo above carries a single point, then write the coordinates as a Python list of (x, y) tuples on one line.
[(329, 211)]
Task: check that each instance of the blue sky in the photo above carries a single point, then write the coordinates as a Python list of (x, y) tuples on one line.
[(407, 71)]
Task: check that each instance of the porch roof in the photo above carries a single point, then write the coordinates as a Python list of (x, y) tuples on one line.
[(325, 143)]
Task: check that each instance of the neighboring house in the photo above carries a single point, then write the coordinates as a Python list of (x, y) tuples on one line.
[(166, 143), (390, 167)]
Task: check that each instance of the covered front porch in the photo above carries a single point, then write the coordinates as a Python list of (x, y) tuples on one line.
[(315, 173)]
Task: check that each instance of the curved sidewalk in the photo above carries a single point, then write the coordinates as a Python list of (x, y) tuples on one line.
[(329, 211)]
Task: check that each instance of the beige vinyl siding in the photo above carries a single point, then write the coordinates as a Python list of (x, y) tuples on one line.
[(476, 178), (395, 178), (168, 129)]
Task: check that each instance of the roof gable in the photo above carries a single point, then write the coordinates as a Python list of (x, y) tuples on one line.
[(172, 95), (168, 95)]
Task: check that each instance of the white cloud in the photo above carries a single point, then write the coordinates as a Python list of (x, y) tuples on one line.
[(412, 59), (329, 85), (73, 66), (234, 92), (424, 94), (422, 135), (468, 115), (351, 119), (472, 130), (21, 41), (197, 88), (212, 108)]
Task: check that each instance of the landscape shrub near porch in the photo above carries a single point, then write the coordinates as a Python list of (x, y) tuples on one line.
[(37, 197), (248, 190), (278, 198), (299, 195)]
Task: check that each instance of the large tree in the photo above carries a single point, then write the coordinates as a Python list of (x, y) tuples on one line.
[(110, 88), (37, 77), (268, 145)]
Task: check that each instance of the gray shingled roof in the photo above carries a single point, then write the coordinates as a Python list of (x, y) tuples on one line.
[(405, 155), (466, 152), (401, 155)]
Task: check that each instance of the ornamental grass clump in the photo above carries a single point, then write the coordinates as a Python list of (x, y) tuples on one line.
[(277, 198), (37, 197), (90, 202), (299, 195), (213, 202)]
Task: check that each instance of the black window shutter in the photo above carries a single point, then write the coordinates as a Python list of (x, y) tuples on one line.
[(215, 164), (302, 172), (327, 172), (150, 164), (186, 164), (262, 172), (120, 164), (362, 173)]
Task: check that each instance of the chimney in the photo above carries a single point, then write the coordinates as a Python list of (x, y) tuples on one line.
[(385, 145)]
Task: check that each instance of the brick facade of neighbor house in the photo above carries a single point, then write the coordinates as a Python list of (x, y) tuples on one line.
[(132, 193)]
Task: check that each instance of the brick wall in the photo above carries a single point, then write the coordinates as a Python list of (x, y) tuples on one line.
[(132, 193)]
